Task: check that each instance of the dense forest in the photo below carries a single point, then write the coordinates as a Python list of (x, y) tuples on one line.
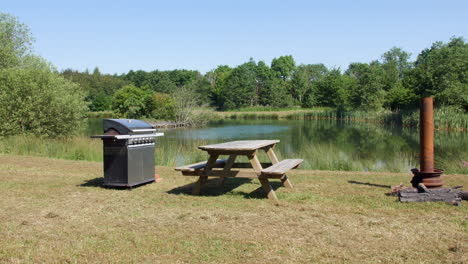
[(392, 82)]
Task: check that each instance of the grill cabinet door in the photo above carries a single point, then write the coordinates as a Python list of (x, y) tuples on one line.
[(135, 165)]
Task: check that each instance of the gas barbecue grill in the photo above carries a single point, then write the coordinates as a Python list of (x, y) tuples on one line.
[(128, 152)]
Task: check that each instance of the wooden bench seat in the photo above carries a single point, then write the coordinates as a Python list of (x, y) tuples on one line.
[(280, 168), (200, 165)]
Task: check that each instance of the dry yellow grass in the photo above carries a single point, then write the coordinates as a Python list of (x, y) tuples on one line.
[(54, 211)]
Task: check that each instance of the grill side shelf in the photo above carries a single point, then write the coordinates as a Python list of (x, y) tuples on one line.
[(128, 136)]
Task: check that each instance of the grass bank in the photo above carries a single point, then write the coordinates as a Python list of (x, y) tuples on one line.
[(55, 211), (445, 118)]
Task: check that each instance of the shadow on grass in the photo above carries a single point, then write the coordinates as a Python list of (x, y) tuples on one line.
[(99, 183), (96, 182), (259, 193), (212, 188), (371, 184)]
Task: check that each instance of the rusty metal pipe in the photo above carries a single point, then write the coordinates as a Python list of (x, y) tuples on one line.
[(426, 135), (427, 174)]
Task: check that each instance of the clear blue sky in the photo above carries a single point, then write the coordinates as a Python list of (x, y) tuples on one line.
[(118, 35)]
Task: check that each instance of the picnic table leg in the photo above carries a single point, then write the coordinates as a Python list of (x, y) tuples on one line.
[(286, 182), (269, 190), (265, 183), (202, 179), (272, 156), (227, 167)]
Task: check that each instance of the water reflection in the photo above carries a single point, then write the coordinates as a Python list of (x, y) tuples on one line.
[(324, 144)]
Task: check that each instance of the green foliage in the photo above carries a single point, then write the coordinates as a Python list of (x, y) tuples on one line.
[(99, 87), (36, 100), (393, 83), (136, 77), (240, 87), (442, 71), (368, 92), (188, 107), (161, 106), (304, 81), (400, 97), (396, 65), (284, 66), (15, 41), (157, 81), (131, 101), (217, 80)]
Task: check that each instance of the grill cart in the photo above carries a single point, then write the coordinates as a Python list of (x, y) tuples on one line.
[(128, 152)]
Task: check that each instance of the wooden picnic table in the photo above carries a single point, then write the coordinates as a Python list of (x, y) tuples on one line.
[(249, 148)]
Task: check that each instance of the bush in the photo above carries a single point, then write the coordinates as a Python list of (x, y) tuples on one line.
[(161, 106), (35, 99), (188, 108), (130, 101)]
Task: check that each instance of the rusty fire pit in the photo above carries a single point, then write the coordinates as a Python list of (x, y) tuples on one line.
[(427, 175)]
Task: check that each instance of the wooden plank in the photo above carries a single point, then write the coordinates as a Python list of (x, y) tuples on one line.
[(241, 145), (240, 165), (449, 195), (282, 167), (230, 152), (220, 173), (200, 165)]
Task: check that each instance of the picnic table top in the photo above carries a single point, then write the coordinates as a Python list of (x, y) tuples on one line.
[(240, 145)]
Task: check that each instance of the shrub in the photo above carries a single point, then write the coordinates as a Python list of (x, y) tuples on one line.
[(161, 106), (130, 101), (35, 99), (188, 109)]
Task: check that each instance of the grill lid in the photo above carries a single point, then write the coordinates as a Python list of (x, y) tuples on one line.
[(127, 126)]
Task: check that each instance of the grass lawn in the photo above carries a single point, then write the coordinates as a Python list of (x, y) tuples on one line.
[(55, 211)]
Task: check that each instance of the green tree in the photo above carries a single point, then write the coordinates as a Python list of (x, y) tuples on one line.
[(400, 97), (218, 82), (396, 66), (284, 66), (99, 87), (332, 90), (368, 93), (303, 82), (15, 41), (159, 81), (130, 101), (161, 106), (183, 77), (136, 77), (442, 71), (396, 63), (240, 87), (35, 99)]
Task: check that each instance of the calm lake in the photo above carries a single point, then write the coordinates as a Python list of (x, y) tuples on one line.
[(323, 144)]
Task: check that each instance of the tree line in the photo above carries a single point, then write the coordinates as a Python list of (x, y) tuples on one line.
[(36, 98), (392, 82)]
